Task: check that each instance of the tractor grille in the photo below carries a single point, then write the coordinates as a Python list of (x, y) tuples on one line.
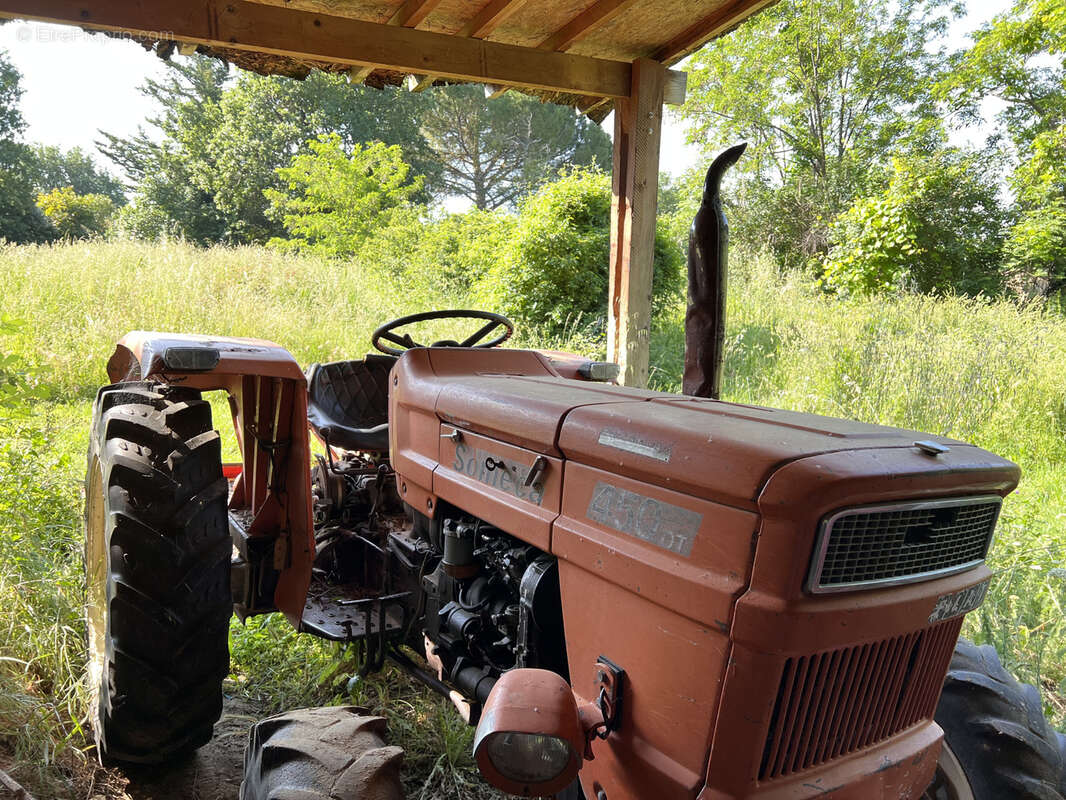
[(834, 703), (902, 543)]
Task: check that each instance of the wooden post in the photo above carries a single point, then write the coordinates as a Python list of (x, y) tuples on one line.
[(638, 123)]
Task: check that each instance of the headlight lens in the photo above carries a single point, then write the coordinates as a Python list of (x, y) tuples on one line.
[(528, 757), (191, 359)]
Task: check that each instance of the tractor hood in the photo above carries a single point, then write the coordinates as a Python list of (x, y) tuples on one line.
[(720, 451)]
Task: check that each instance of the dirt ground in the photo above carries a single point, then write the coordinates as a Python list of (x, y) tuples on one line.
[(212, 773)]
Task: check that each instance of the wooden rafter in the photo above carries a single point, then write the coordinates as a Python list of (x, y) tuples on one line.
[(584, 24), (413, 12), (695, 36), (576, 30), (242, 25), (480, 25), (359, 74), (490, 17)]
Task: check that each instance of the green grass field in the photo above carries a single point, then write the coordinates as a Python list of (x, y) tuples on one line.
[(987, 372)]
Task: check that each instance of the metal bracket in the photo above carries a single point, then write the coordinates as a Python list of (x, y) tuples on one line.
[(609, 685), (540, 463)]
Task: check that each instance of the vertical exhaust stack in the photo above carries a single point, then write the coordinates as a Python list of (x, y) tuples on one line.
[(708, 256)]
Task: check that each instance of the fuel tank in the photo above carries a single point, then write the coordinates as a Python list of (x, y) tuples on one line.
[(783, 590)]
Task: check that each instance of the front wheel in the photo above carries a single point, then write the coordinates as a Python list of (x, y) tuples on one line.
[(997, 743), (157, 562)]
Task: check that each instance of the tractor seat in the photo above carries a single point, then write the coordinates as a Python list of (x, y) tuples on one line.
[(348, 403)]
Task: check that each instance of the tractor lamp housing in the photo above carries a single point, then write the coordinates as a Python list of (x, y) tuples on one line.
[(530, 741), (191, 359)]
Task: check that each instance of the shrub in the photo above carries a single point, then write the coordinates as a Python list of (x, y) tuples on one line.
[(1036, 249), (554, 271), (336, 200), (452, 253), (76, 216), (937, 227)]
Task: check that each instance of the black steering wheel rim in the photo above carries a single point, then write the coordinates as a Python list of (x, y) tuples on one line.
[(474, 340)]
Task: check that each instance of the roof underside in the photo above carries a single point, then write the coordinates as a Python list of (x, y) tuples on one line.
[(574, 52)]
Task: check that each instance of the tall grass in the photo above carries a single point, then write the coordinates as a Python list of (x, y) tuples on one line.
[(987, 372)]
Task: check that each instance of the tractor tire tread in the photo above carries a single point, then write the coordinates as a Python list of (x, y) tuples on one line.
[(997, 729), (168, 590), (333, 753)]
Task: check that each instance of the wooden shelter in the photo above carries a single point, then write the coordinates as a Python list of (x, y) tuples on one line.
[(593, 54)]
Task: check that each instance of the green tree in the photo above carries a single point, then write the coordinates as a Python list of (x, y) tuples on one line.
[(824, 92), (493, 152), (20, 219), (1018, 58), (76, 216), (333, 200), (553, 274), (937, 227), (217, 145), (159, 168), (55, 168)]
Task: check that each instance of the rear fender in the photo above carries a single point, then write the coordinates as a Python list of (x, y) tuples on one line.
[(268, 400)]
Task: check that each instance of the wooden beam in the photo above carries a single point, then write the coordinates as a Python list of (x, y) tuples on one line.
[(583, 24), (424, 83), (720, 22), (359, 74), (242, 25), (676, 87), (481, 25), (638, 121), (589, 104), (577, 29), (413, 12), (487, 19)]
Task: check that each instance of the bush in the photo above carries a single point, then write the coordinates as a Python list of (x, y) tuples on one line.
[(76, 216), (553, 274), (452, 253), (1036, 249), (335, 200), (937, 227)]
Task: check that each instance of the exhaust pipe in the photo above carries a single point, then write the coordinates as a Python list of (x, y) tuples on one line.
[(708, 255)]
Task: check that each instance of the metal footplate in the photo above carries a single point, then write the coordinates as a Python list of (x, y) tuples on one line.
[(344, 613)]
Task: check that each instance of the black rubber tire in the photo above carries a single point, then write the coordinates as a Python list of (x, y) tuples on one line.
[(332, 753), (996, 728), (157, 572)]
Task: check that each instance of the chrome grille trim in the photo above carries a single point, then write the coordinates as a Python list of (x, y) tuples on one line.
[(828, 574)]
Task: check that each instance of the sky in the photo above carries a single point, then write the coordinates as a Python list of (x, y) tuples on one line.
[(78, 83)]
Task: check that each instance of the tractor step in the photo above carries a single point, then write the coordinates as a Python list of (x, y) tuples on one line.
[(347, 612)]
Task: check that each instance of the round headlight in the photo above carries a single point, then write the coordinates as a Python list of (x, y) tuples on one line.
[(530, 741), (528, 757)]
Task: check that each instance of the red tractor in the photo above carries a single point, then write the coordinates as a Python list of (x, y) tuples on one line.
[(632, 594)]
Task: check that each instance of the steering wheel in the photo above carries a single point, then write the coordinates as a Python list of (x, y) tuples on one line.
[(406, 343)]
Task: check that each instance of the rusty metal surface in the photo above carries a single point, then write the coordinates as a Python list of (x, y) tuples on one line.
[(708, 259), (345, 613), (268, 397), (487, 478), (684, 530), (237, 356), (720, 451), (533, 701)]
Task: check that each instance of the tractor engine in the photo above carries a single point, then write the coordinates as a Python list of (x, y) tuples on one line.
[(483, 602), (492, 604)]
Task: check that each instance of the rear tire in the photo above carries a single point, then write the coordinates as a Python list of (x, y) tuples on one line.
[(995, 729), (334, 753), (157, 564)]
